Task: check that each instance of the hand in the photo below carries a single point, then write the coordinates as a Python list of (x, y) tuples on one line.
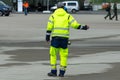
[(85, 27), (47, 38)]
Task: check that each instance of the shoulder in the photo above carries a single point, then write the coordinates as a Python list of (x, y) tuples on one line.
[(51, 16)]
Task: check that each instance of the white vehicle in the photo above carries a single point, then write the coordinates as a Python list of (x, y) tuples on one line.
[(72, 6)]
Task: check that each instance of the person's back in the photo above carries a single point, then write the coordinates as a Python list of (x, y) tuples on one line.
[(115, 11), (115, 6), (58, 27), (60, 21)]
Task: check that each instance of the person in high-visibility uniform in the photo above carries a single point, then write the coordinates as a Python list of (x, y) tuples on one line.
[(58, 28)]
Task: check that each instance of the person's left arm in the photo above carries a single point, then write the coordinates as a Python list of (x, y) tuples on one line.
[(49, 28), (74, 24)]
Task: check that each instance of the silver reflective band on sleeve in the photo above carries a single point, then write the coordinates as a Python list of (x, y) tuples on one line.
[(57, 34), (50, 21), (59, 28), (71, 22), (48, 33)]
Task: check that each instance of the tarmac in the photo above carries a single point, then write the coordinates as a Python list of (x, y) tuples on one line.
[(94, 54), (21, 28)]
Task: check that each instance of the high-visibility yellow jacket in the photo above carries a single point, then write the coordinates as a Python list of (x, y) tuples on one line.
[(60, 22)]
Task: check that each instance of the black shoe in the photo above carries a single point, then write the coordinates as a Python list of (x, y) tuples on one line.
[(53, 73), (105, 18), (62, 72), (60, 75)]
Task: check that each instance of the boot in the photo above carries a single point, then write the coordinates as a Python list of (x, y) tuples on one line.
[(53, 73), (62, 72), (105, 18)]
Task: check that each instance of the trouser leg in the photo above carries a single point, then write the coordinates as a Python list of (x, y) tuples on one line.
[(25, 11), (63, 56), (53, 57), (116, 16), (63, 61), (109, 15), (53, 61), (113, 16), (106, 15)]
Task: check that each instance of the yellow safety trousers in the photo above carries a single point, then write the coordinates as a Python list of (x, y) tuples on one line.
[(63, 56)]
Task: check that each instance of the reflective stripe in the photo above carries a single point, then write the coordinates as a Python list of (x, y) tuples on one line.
[(71, 22), (63, 68), (58, 34), (48, 33), (59, 28), (50, 21), (61, 33), (53, 66)]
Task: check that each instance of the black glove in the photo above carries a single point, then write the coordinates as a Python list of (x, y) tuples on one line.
[(85, 27), (48, 36)]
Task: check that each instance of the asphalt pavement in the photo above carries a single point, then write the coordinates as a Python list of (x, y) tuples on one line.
[(93, 54)]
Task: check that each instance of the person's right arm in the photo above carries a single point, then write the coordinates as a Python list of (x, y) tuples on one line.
[(49, 28)]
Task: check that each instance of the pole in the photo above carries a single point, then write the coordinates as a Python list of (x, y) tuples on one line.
[(47, 5), (19, 6), (47, 11)]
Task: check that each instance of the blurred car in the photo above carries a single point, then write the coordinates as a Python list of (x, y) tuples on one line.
[(4, 9), (88, 6)]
